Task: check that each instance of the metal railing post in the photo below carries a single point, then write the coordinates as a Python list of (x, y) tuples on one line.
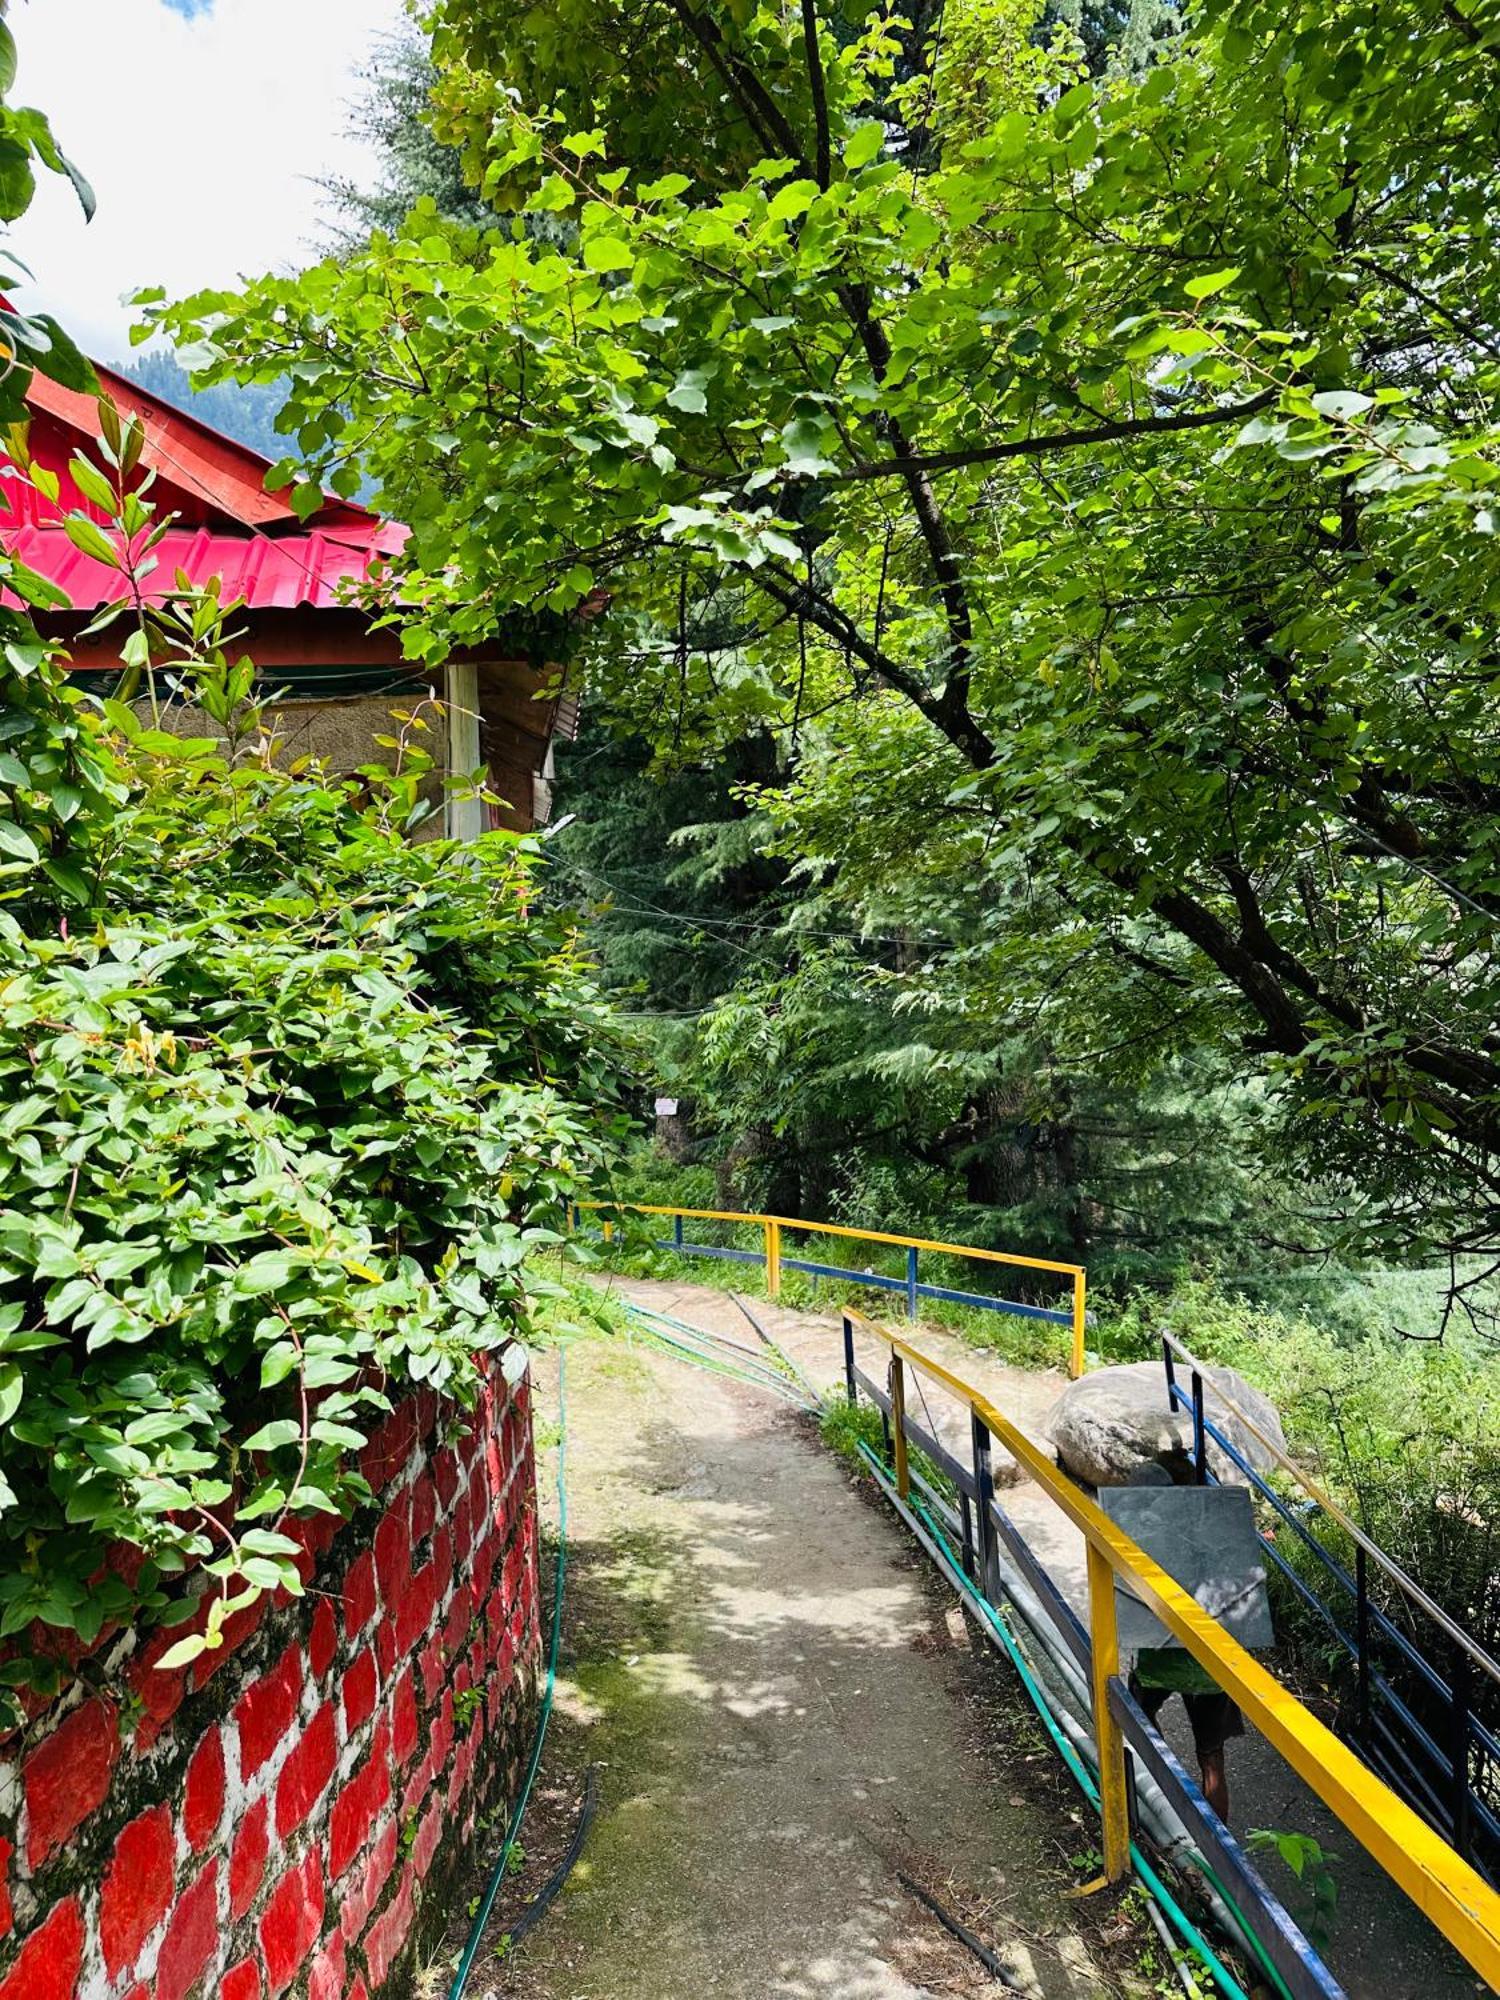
[(773, 1260), (1459, 1749), (1080, 1322), (897, 1380), (911, 1282), (1114, 1794), (1200, 1435), (984, 1493), (1171, 1368), (677, 1232), (1362, 1635), (849, 1383), (609, 1232)]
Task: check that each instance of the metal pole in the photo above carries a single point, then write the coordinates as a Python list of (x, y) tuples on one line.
[(911, 1282), (966, 1518), (1362, 1636), (849, 1382), (773, 1260), (1080, 1320), (677, 1231), (984, 1488), (1459, 1750), (898, 1424), (1200, 1435), (1114, 1796), (1170, 1366)]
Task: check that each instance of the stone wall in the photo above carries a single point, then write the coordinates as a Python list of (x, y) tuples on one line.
[(299, 1811)]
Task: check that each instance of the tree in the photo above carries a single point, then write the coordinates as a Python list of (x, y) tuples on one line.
[(394, 116), (1097, 491), (247, 414)]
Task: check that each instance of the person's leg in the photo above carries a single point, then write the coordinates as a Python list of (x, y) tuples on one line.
[(1215, 1718)]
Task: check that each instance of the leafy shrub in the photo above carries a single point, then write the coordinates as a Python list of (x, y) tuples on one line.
[(286, 1099)]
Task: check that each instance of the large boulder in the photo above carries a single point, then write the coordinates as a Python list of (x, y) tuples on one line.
[(1106, 1426)]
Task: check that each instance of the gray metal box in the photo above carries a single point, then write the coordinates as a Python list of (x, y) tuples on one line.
[(1205, 1538)]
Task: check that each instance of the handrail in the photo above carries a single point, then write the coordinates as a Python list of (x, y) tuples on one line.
[(1406, 1583), (1451, 1894), (1076, 1318)]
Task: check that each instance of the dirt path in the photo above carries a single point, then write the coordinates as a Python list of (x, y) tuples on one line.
[(1382, 1947), (786, 1711)]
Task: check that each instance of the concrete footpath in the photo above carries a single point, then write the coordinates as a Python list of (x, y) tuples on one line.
[(787, 1715)]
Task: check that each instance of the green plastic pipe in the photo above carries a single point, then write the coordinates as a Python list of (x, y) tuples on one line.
[(497, 1874)]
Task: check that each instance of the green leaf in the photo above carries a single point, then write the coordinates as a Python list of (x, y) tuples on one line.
[(795, 199), (16, 844), (183, 1653), (1343, 404), (271, 1437), (1211, 282), (607, 253), (864, 142), (65, 361), (91, 539), (686, 393)]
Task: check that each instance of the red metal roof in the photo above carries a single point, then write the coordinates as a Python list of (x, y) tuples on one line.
[(227, 524), (280, 573)]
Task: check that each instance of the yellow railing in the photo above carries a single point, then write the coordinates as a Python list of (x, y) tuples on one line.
[(1442, 1885), (1075, 1317)]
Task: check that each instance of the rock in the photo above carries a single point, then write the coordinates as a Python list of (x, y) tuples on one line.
[(1106, 1425)]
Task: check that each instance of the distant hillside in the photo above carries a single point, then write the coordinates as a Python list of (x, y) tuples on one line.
[(247, 414)]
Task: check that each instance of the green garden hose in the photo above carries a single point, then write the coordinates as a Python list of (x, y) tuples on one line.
[(497, 1874)]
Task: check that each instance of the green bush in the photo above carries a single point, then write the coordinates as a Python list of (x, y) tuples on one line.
[(286, 1100)]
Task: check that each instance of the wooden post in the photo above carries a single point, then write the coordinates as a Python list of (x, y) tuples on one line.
[(1080, 1322), (1104, 1637), (898, 1424)]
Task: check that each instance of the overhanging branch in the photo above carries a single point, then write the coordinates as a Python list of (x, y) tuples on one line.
[(1048, 442)]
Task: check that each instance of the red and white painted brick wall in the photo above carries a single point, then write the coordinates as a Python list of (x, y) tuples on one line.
[(289, 1813)]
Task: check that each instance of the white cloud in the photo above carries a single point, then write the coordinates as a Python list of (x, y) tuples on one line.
[(203, 138)]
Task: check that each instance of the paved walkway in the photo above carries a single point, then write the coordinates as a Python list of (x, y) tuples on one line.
[(1382, 1948), (787, 1711)]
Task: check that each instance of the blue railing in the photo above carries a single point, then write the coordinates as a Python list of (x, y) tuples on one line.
[(1435, 1776), (773, 1257)]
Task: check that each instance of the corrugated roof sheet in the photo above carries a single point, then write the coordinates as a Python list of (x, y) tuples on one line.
[(277, 572)]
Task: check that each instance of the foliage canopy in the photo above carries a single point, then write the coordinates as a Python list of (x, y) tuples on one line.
[(1093, 479)]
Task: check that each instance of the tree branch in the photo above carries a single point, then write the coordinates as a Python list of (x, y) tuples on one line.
[(907, 464), (819, 90), (765, 115), (950, 720)]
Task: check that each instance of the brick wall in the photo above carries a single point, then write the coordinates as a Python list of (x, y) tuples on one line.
[(288, 1814)]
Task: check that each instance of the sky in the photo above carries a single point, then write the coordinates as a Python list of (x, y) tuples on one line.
[(202, 124)]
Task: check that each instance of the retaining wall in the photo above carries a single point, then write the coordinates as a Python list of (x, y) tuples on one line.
[(287, 1814)]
